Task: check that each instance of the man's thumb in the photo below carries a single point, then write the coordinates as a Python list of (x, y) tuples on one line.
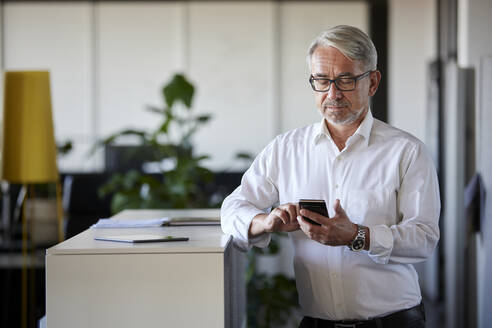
[(338, 208)]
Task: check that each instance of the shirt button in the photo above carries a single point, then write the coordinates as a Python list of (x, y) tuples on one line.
[(336, 186), (334, 275)]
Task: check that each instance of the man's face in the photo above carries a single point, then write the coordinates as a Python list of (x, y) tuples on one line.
[(342, 107)]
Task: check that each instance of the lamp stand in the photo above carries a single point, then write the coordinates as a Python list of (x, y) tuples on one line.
[(59, 210), (27, 317), (6, 212), (24, 263)]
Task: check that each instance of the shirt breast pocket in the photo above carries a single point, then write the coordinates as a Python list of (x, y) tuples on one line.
[(372, 207)]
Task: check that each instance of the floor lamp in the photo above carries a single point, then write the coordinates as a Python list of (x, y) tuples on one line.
[(29, 150)]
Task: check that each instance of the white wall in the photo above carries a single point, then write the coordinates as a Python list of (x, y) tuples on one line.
[(137, 51), (56, 37), (412, 45), (231, 59), (474, 27), (109, 60), (484, 149)]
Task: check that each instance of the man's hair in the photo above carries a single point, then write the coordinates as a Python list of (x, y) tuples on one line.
[(350, 41)]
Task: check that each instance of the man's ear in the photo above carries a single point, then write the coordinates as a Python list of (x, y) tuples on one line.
[(375, 78)]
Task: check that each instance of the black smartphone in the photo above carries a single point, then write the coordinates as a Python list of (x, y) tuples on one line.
[(314, 205)]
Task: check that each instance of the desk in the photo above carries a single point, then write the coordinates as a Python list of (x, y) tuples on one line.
[(198, 283)]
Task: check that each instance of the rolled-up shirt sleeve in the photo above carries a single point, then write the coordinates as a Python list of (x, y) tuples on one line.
[(256, 194), (415, 236)]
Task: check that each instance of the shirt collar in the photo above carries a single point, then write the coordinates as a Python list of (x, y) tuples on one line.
[(364, 129)]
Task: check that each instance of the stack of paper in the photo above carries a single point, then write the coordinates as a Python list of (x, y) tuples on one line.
[(140, 238), (125, 223)]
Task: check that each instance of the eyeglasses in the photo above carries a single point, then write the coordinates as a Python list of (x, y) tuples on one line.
[(342, 83)]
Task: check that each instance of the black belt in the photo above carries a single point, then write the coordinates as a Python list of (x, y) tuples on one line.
[(396, 319)]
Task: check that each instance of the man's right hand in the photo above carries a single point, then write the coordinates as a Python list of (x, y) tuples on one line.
[(281, 218)]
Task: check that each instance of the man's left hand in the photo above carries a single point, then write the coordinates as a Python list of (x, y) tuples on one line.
[(335, 231)]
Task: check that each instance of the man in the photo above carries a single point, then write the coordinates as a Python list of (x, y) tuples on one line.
[(355, 269)]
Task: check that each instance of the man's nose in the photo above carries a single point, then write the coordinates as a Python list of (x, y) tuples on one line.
[(333, 92)]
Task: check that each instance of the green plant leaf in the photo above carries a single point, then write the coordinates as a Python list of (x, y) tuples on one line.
[(178, 89), (165, 126), (203, 118), (243, 155), (64, 148), (187, 137), (156, 110), (200, 158)]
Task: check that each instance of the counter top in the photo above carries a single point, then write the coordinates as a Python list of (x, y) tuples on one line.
[(202, 239)]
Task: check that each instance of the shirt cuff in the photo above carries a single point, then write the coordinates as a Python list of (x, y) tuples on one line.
[(246, 243), (381, 243)]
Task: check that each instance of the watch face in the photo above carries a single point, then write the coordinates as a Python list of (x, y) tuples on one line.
[(358, 244)]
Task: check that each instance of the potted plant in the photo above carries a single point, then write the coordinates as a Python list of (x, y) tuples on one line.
[(180, 171)]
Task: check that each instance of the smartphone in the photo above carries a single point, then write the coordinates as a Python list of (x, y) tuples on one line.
[(314, 205)]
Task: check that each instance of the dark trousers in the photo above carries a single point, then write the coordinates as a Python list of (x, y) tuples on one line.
[(409, 318)]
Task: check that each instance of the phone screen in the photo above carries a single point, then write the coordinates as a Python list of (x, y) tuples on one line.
[(314, 205)]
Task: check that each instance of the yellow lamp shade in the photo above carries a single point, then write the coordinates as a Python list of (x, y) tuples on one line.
[(29, 150)]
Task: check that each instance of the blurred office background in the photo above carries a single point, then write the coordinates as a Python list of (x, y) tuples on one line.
[(109, 59)]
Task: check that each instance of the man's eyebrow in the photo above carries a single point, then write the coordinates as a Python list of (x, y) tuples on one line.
[(339, 75)]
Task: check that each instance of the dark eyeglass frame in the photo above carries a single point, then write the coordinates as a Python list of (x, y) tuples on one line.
[(335, 81)]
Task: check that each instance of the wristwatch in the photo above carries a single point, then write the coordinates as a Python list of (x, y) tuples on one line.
[(360, 240)]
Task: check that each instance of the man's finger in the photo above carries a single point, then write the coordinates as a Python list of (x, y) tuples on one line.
[(308, 228), (314, 216), (287, 215), (303, 224), (282, 215), (292, 212), (292, 226)]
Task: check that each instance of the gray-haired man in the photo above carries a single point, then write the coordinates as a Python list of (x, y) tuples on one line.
[(355, 268)]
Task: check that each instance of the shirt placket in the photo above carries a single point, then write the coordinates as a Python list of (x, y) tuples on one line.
[(334, 260)]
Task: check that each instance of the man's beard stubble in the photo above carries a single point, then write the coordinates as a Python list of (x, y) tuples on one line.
[(348, 117)]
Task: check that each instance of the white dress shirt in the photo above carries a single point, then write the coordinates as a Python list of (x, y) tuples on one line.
[(384, 179)]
